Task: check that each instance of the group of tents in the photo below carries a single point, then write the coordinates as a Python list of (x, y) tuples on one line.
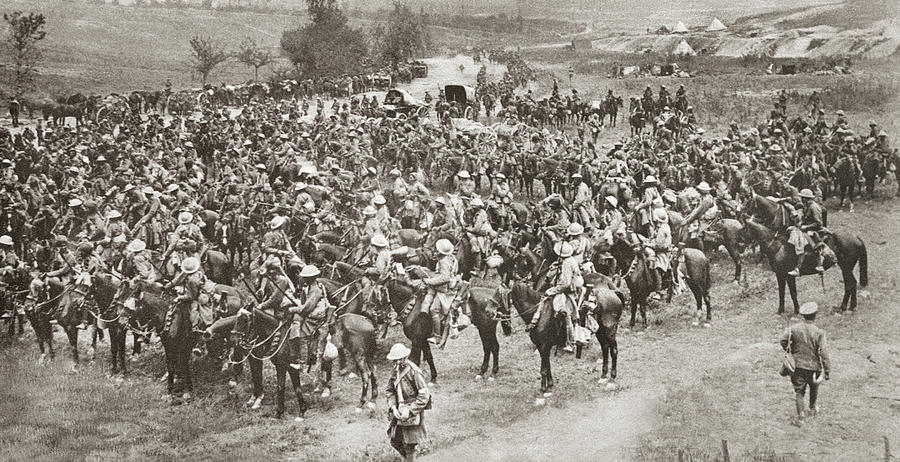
[(684, 48)]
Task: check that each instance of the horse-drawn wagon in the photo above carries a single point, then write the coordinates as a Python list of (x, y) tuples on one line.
[(397, 102), (465, 99)]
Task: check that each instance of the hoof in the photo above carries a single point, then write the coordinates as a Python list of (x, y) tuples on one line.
[(540, 401), (603, 381), (371, 406), (478, 378), (298, 419), (491, 378), (707, 325), (695, 324), (257, 403), (611, 386), (548, 394), (431, 384), (326, 393)]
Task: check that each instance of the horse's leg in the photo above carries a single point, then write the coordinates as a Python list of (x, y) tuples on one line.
[(634, 304), (298, 390), (604, 346), (698, 298), (256, 378), (849, 287), (280, 376), (72, 334), (415, 353), (495, 350), (426, 351), (792, 286), (486, 347), (545, 367), (781, 282), (184, 357), (735, 255), (114, 350), (708, 305), (644, 304), (120, 336)]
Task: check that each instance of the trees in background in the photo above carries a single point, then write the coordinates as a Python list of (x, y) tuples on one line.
[(327, 46), (402, 37), (206, 55), (24, 33), (252, 55)]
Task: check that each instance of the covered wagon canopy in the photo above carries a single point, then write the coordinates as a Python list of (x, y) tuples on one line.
[(461, 94), (400, 97)]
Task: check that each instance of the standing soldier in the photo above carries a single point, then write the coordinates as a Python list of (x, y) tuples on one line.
[(407, 398), (806, 343), (186, 241), (14, 107)]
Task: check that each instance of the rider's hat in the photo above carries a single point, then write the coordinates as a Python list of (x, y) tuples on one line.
[(185, 217), (806, 193), (277, 222), (379, 200), (309, 271), (477, 202), (494, 261), (113, 214), (563, 249), (379, 240), (612, 201), (464, 174), (190, 265), (575, 229), (660, 215), (6, 240), (444, 247), (650, 179), (75, 202), (137, 245), (704, 186)]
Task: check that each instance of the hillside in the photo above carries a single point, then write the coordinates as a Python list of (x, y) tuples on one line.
[(112, 48)]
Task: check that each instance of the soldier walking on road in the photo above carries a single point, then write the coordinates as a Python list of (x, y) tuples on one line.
[(806, 343)]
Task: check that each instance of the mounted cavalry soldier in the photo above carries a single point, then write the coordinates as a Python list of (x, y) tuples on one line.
[(804, 234), (275, 241), (380, 266), (310, 319), (479, 233), (568, 286), (701, 218), (191, 283), (441, 291), (582, 202), (186, 241)]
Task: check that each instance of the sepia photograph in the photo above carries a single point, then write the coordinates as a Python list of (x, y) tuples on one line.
[(305, 230)]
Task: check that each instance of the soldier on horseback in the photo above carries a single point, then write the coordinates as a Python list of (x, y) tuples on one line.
[(804, 234), (568, 285), (380, 266), (582, 202), (186, 241), (479, 233), (191, 285), (701, 218), (313, 312), (441, 291), (275, 241)]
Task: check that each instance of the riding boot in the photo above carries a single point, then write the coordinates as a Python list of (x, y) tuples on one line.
[(297, 346), (436, 327), (445, 332), (570, 332), (534, 321), (820, 261), (796, 271)]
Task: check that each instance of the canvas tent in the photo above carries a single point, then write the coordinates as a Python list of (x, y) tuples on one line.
[(684, 49), (715, 26), (680, 28)]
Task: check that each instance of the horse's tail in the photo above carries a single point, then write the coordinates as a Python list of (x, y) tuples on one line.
[(708, 283), (863, 264)]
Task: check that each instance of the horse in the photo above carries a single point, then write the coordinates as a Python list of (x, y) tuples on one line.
[(611, 108), (235, 241), (728, 234), (54, 302), (480, 301), (549, 332), (100, 290), (218, 267), (609, 304), (637, 121), (845, 250), (698, 280), (845, 175), (353, 334), (12, 293), (172, 322), (261, 336), (416, 324)]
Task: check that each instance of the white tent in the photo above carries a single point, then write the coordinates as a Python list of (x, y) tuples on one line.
[(684, 48), (715, 26), (680, 28)]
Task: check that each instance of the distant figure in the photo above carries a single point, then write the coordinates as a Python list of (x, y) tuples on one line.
[(806, 343), (14, 107)]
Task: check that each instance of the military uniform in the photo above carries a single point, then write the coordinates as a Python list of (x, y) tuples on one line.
[(440, 294)]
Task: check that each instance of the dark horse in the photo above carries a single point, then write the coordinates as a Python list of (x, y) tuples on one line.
[(481, 301), (54, 302), (100, 292), (416, 324), (260, 336), (172, 322), (846, 251), (551, 330), (845, 175)]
